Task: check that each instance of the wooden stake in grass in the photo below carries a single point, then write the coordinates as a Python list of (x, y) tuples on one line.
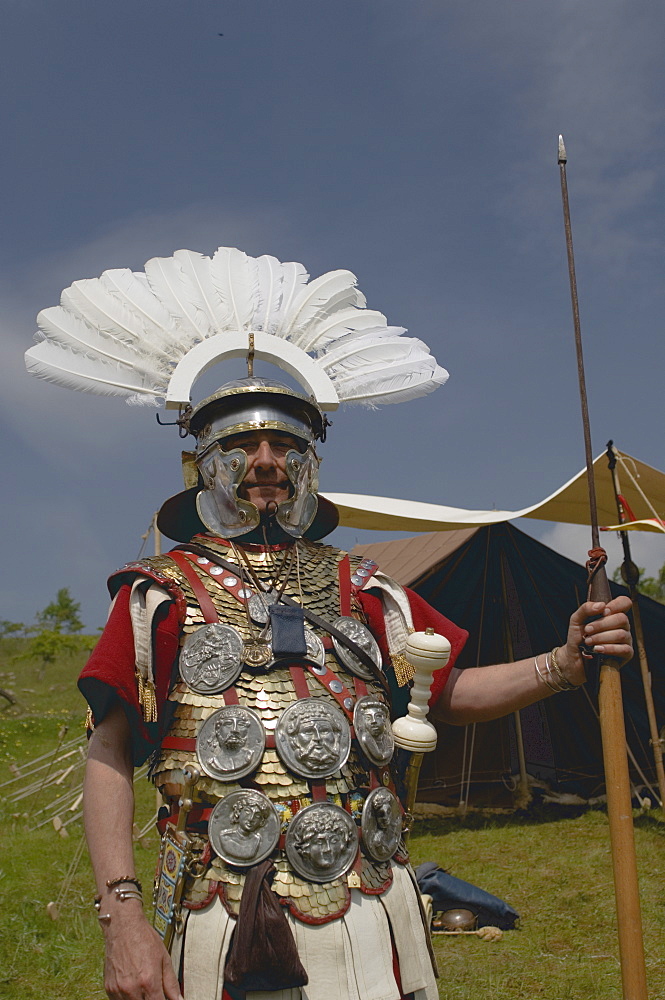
[(612, 727)]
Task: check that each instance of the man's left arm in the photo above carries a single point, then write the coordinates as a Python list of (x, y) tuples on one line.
[(479, 694)]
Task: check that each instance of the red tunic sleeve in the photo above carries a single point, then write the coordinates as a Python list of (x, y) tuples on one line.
[(424, 616), (109, 673)]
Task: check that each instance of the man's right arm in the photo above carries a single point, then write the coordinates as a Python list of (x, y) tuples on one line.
[(137, 967)]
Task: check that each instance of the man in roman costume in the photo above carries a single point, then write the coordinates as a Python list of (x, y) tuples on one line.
[(249, 555)]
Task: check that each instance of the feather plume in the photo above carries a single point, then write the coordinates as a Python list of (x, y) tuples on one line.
[(235, 276), (294, 279), (169, 283), (161, 331), (398, 384), (74, 371), (318, 300), (270, 288), (380, 344), (196, 271), (90, 301), (383, 369), (345, 321), (124, 333), (67, 330)]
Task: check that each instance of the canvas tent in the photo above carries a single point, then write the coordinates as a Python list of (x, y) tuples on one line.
[(514, 595), (642, 487)]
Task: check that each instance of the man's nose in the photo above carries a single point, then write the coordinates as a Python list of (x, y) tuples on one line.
[(264, 458)]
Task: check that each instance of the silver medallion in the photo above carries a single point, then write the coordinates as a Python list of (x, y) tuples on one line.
[(258, 606), (244, 828), (230, 743), (313, 738), (362, 637), (211, 658), (321, 842), (381, 824), (374, 733)]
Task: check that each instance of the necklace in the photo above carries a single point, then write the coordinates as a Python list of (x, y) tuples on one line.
[(258, 648)]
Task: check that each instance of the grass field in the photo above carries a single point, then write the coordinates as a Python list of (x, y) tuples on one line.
[(553, 867)]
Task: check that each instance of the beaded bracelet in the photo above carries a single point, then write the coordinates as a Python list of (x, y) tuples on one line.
[(124, 878)]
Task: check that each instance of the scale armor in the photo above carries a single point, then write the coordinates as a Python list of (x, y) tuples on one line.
[(268, 692)]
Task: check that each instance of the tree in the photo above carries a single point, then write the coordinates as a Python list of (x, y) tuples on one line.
[(11, 629), (55, 633), (651, 586), (61, 615)]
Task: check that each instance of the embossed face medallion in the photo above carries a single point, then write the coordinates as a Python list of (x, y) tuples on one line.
[(244, 828), (211, 658), (381, 824), (321, 842), (257, 652), (362, 637), (230, 743), (259, 605), (313, 738), (371, 722)]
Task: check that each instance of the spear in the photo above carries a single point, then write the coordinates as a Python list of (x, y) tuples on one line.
[(612, 727)]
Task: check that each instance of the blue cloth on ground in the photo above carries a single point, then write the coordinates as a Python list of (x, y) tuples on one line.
[(450, 893)]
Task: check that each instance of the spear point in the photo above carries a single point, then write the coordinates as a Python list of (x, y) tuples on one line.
[(563, 158)]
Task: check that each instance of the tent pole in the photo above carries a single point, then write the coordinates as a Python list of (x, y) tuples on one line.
[(613, 731), (156, 535), (509, 654), (631, 577)]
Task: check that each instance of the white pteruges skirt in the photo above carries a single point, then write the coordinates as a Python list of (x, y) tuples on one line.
[(350, 958)]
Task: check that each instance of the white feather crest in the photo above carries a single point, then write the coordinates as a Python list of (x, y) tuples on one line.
[(124, 333)]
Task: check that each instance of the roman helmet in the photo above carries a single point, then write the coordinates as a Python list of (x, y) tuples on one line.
[(254, 404), (149, 336)]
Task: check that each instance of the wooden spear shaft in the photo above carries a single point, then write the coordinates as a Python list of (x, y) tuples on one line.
[(613, 731)]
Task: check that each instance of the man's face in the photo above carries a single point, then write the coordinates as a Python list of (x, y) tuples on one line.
[(315, 743), (266, 481), (375, 720), (384, 814), (232, 732), (324, 848), (250, 818)]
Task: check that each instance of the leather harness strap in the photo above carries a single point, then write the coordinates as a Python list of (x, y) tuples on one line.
[(311, 617)]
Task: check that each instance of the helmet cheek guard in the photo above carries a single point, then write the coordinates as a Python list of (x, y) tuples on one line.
[(296, 514), (220, 508)]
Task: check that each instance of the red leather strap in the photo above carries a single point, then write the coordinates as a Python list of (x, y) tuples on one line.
[(360, 686), (232, 582), (333, 685), (299, 680), (344, 577), (179, 743), (200, 593), (318, 787), (197, 814)]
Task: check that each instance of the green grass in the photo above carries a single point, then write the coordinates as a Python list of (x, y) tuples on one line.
[(553, 867), (556, 871)]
